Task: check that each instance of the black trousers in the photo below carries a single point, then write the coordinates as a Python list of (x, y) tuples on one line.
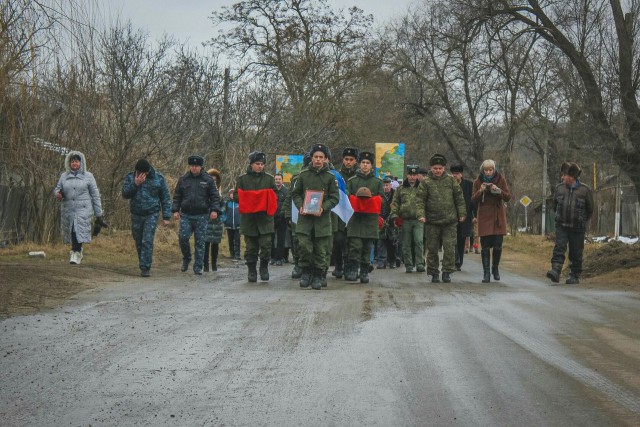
[(575, 240)]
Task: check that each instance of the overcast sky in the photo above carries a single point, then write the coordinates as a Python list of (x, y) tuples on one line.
[(187, 20)]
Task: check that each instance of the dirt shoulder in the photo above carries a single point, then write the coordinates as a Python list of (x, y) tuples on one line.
[(30, 285)]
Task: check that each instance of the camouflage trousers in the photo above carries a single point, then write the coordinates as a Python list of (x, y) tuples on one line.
[(437, 234), (257, 246), (412, 243), (196, 225), (143, 230), (314, 251)]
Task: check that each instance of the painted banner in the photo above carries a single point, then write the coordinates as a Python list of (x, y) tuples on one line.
[(288, 165), (390, 159)]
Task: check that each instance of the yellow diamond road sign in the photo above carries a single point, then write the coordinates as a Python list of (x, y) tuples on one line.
[(525, 201)]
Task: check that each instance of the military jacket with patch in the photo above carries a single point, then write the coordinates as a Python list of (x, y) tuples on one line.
[(319, 180), (258, 223), (364, 225), (440, 200)]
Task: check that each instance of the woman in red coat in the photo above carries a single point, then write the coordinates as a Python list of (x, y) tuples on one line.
[(489, 194)]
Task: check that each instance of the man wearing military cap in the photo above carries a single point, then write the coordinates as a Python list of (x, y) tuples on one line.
[(314, 230), (258, 202), (440, 206), (405, 215), (339, 250), (364, 191), (195, 200)]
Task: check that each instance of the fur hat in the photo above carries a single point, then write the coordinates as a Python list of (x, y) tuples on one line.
[(306, 159), (322, 148), (574, 170), (367, 155), (196, 160), (456, 169), (564, 167), (215, 173), (438, 159), (413, 169), (386, 180), (143, 165), (350, 151), (363, 192), (257, 156)]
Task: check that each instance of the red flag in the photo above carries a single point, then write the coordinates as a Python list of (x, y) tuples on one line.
[(370, 205), (254, 201)]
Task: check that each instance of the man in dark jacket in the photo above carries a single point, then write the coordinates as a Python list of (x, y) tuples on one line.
[(256, 193), (389, 232), (464, 228), (573, 203), (232, 224), (314, 228), (279, 222), (195, 201), (347, 170), (148, 194)]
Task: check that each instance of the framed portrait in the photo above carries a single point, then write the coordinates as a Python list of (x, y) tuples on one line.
[(312, 202)]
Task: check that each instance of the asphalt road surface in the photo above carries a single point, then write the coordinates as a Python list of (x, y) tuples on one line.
[(214, 350)]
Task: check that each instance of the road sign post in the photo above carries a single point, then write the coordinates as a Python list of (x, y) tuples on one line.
[(525, 201)]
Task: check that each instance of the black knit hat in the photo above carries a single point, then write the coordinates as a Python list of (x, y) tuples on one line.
[(367, 155), (456, 169), (196, 160), (143, 165), (438, 159), (322, 148), (257, 156), (350, 151)]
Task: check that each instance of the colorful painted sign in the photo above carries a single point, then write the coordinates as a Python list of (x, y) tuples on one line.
[(288, 165), (390, 159)]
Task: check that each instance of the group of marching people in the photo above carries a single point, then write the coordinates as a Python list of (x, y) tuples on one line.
[(338, 215)]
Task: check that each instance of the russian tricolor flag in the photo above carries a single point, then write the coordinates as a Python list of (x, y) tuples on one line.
[(343, 209)]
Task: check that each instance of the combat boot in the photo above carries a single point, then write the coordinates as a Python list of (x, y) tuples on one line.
[(486, 265), (296, 273), (264, 269), (573, 279), (435, 278), (306, 277), (446, 277), (497, 253), (323, 276), (554, 273), (364, 273), (351, 271), (316, 281), (252, 275), (185, 264)]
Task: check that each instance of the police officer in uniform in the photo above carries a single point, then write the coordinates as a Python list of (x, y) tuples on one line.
[(258, 202), (148, 195), (195, 201), (364, 191), (314, 230)]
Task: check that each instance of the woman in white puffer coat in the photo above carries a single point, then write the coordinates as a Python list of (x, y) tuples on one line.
[(80, 197)]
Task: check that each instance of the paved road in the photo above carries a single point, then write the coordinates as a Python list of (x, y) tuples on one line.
[(193, 351)]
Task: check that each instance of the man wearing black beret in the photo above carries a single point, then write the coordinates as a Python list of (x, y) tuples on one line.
[(195, 200)]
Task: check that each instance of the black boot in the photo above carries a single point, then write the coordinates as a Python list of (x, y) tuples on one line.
[(554, 273), (252, 274), (316, 281), (214, 257), (351, 271), (364, 273), (497, 253), (446, 277), (306, 277), (573, 279), (296, 273), (338, 271), (185, 264), (264, 269), (323, 276), (486, 265)]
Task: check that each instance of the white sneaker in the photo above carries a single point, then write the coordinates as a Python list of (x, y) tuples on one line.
[(72, 257), (79, 257)]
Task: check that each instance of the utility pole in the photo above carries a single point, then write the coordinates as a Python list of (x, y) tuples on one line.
[(544, 181)]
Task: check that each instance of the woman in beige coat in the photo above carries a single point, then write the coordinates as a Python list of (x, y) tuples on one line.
[(489, 194)]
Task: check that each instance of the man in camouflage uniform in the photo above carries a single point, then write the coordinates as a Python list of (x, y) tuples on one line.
[(404, 213), (347, 170), (195, 201), (364, 191), (314, 231), (256, 194), (296, 273), (148, 194), (440, 206)]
